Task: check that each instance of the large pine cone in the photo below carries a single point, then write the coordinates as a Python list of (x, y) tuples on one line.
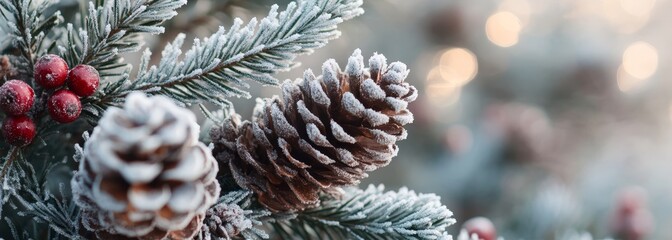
[(325, 132), (144, 175)]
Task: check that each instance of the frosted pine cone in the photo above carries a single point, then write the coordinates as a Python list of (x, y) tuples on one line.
[(144, 175), (232, 219), (325, 132)]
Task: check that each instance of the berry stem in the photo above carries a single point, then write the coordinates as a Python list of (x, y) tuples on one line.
[(8, 162)]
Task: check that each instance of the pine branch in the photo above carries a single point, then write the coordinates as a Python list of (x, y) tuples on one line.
[(213, 69), (32, 199), (28, 27), (372, 214), (113, 27)]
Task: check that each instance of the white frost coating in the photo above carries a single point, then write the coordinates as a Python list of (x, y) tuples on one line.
[(396, 73), (330, 76), (150, 200), (340, 134), (355, 65), (382, 137), (192, 167), (316, 92), (397, 90), (140, 172), (371, 90), (396, 104), (185, 197), (375, 118), (352, 105), (306, 148), (403, 118), (280, 124), (278, 39), (373, 213), (316, 136), (306, 115), (377, 63)]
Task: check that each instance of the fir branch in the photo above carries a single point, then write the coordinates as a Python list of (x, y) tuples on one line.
[(372, 214), (28, 27), (32, 198), (113, 27), (213, 69)]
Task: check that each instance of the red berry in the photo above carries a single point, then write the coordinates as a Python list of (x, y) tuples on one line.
[(83, 80), (16, 98), (632, 219), (51, 71), (19, 130), (64, 106), (482, 227)]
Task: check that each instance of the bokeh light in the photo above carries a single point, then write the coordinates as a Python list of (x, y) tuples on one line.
[(640, 8), (458, 65), (439, 91), (627, 16), (626, 82), (503, 29), (640, 60)]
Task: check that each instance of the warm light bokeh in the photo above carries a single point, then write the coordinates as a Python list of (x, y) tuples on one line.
[(503, 29), (458, 65), (640, 60)]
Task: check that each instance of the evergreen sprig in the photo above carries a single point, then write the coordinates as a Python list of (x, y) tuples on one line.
[(372, 214), (27, 27), (35, 205), (113, 27), (215, 68)]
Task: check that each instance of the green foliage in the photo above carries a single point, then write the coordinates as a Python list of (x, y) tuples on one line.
[(113, 27)]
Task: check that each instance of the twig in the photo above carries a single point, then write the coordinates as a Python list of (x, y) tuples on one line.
[(8, 163)]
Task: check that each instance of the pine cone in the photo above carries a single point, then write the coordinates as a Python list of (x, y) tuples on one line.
[(325, 132), (225, 221), (144, 175), (232, 218)]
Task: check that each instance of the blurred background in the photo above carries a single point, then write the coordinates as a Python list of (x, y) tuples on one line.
[(546, 116)]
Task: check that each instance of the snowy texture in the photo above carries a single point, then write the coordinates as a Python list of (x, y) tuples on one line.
[(113, 27), (144, 173), (372, 214), (214, 68), (232, 218), (323, 133)]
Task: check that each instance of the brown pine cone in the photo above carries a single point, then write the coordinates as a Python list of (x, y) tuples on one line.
[(143, 174), (325, 132)]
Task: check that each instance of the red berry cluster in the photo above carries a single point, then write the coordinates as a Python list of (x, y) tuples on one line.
[(64, 105), (51, 72)]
